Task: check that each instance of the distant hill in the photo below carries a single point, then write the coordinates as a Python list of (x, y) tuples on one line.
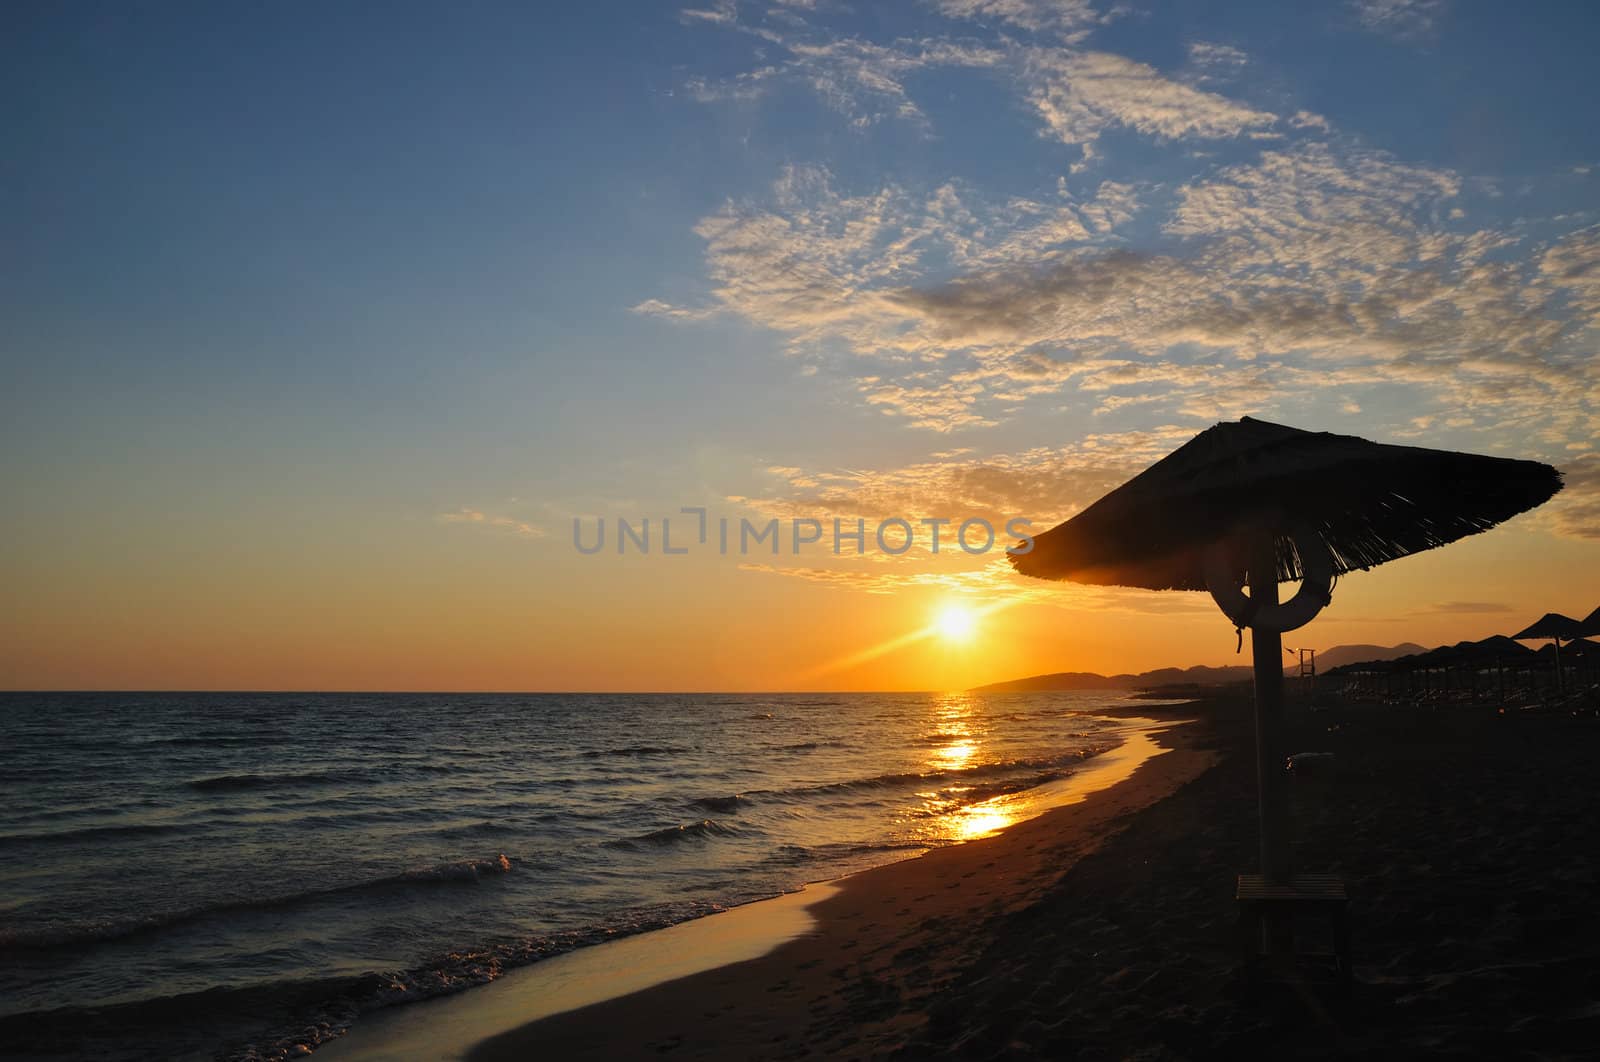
[(1338, 656), (1089, 680)]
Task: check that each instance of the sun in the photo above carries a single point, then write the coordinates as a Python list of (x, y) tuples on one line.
[(956, 623)]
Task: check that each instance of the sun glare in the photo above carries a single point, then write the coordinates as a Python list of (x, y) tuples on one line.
[(957, 624)]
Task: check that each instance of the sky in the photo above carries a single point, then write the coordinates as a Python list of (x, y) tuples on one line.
[(325, 329)]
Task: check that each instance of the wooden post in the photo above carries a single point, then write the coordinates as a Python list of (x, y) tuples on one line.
[(1266, 646)]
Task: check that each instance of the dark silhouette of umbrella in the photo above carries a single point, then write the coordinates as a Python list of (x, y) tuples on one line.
[(1574, 649), (1370, 502), (1261, 503), (1493, 649), (1554, 626), (1549, 625), (1590, 624)]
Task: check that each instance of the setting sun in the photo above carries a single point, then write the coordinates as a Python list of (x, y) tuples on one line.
[(957, 623)]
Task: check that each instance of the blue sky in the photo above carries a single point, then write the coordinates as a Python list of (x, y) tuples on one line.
[(276, 271)]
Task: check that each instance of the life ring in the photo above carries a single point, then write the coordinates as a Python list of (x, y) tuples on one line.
[(1316, 585)]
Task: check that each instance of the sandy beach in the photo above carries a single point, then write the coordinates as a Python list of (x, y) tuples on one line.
[(881, 943), (1106, 929)]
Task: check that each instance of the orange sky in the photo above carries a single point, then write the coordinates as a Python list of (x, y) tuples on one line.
[(503, 612)]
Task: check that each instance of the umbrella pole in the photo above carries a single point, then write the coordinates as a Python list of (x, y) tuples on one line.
[(1266, 647)]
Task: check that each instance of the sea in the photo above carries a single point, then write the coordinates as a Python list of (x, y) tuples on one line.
[(245, 875)]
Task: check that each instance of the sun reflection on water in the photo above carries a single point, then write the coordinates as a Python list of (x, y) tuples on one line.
[(956, 744), (952, 757), (979, 820)]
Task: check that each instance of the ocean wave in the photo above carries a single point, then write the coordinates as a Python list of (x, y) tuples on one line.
[(285, 1018), (808, 746), (73, 935), (689, 831), (93, 833), (231, 739), (463, 829), (228, 783), (722, 804), (951, 787), (637, 750), (967, 795), (938, 778)]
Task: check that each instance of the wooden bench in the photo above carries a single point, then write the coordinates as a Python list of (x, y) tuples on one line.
[(1267, 909)]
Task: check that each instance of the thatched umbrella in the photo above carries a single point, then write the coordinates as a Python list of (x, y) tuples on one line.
[(1554, 626), (1259, 503)]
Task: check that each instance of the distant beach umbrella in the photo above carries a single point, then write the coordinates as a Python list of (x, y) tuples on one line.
[(1554, 626), (1494, 649), (1589, 625), (1251, 504), (1550, 625)]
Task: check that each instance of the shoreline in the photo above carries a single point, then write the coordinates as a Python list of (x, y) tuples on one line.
[(753, 960)]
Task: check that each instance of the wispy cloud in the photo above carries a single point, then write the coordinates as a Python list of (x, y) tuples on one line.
[(1044, 484), (1079, 95), (1405, 19), (1215, 59), (863, 81), (1466, 608), (506, 524), (1069, 20), (1575, 512)]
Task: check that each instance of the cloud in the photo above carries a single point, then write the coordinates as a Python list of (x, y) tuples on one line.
[(1079, 95), (1467, 608), (1575, 512), (1070, 20), (658, 308), (863, 81), (1217, 59), (1314, 268), (1404, 19), (1572, 267), (478, 518), (1045, 485), (721, 12)]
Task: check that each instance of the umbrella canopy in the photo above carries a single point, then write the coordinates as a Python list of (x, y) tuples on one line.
[(1369, 502), (1576, 650), (1555, 626), (1590, 624), (1550, 625), (1496, 647)]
